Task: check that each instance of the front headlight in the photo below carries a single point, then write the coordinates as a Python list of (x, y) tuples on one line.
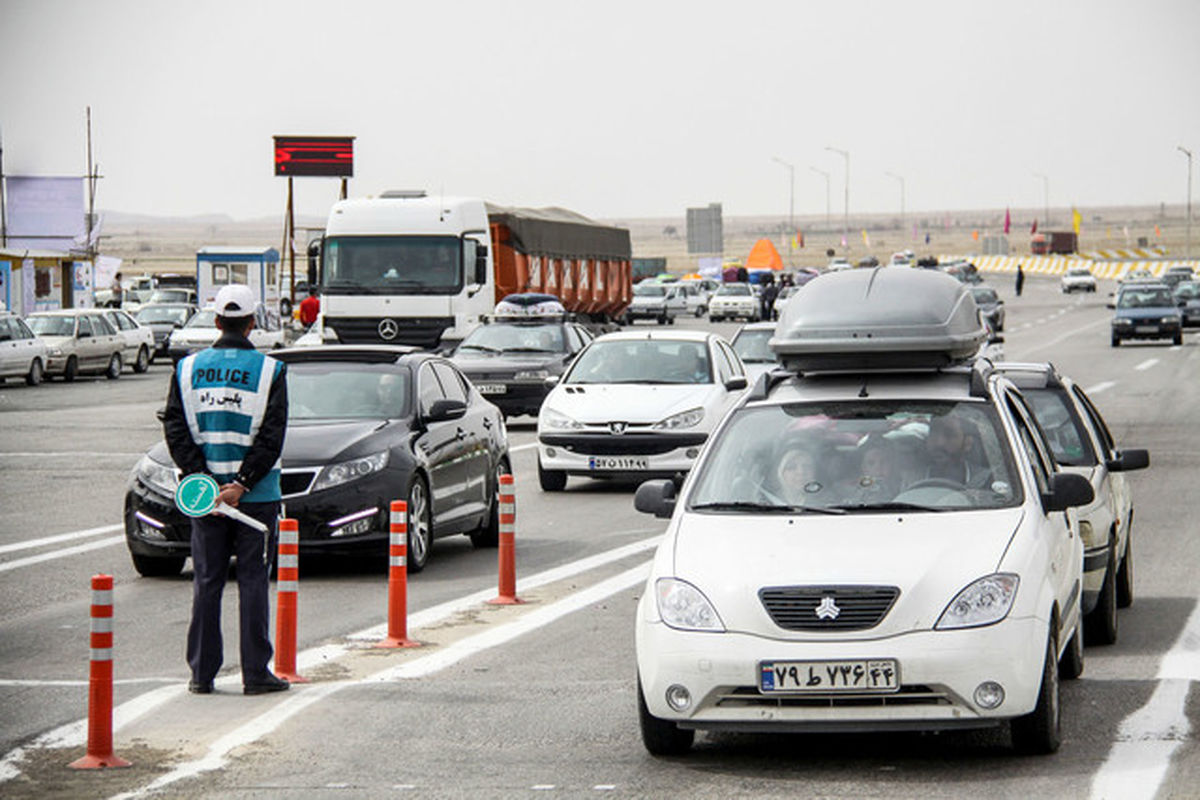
[(346, 471), (532, 375), (1122, 321), (683, 606), (54, 352), (685, 419), (1170, 320), (984, 602), (160, 477), (557, 421)]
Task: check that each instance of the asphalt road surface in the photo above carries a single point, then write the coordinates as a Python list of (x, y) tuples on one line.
[(538, 699)]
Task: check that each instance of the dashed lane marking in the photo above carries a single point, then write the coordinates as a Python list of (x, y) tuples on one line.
[(1102, 386), (67, 551), (59, 537), (1147, 364)]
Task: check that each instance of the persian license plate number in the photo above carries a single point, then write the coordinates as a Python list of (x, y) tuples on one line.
[(492, 388), (823, 677), (618, 462)]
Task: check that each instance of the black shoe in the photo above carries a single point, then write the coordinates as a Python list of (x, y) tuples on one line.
[(267, 685), (198, 687)]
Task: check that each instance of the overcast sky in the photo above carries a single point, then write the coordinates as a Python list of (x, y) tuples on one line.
[(614, 109)]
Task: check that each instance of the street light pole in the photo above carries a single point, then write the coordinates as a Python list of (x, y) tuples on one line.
[(1188, 153), (846, 209), (791, 199), (824, 175), (901, 179), (1045, 198)]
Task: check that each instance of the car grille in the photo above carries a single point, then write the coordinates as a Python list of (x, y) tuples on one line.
[(297, 482), (423, 332), (908, 695), (632, 444), (794, 608)]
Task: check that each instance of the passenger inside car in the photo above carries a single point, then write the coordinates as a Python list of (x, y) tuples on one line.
[(950, 451), (797, 476)]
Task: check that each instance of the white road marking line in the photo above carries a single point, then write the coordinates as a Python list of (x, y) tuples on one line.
[(521, 447), (68, 551), (543, 787), (605, 787), (71, 454), (73, 734), (267, 722), (1147, 364), (117, 682), (1140, 758), (1102, 386), (1050, 343), (60, 537)]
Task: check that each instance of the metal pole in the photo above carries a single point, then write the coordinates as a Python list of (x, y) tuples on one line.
[(900, 178), (1045, 199), (824, 175), (791, 199), (3, 211), (1188, 153), (846, 208)]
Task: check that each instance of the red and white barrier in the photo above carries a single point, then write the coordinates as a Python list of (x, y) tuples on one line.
[(287, 592), (508, 549), (100, 681), (397, 635)]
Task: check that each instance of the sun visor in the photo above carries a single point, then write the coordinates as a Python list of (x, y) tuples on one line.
[(880, 318)]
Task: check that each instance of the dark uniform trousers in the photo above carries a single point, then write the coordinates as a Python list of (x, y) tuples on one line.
[(214, 540)]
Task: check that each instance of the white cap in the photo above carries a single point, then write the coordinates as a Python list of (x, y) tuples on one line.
[(235, 300)]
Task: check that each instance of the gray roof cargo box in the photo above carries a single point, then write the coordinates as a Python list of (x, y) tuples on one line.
[(885, 318)]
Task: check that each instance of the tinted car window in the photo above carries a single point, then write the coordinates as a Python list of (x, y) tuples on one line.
[(1098, 425), (347, 391), (1064, 430), (429, 390), (452, 385)]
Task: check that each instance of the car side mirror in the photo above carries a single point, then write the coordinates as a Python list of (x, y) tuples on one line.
[(481, 253), (1067, 490), (84, 335), (656, 497), (736, 383), (1128, 460), (445, 409)]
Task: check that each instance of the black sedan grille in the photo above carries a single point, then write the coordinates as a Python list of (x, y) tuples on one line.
[(828, 608), (631, 444), (424, 332), (293, 483)]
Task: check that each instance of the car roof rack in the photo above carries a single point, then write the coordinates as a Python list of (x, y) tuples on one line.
[(892, 319)]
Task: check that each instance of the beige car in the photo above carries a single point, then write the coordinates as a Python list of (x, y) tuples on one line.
[(139, 339), (78, 342)]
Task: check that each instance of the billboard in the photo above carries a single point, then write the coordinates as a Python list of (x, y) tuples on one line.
[(314, 156), (704, 233), (45, 213)]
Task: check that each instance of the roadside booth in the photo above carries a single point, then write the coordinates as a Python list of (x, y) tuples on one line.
[(43, 280), (256, 267)]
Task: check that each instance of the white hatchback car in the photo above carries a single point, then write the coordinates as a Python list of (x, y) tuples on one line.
[(637, 404), (201, 331), (734, 301), (879, 546), (1078, 279)]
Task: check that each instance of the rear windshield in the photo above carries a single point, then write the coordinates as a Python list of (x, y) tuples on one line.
[(858, 457)]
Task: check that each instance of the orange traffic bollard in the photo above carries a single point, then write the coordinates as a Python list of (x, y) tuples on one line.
[(508, 548), (100, 681), (398, 579), (287, 590)]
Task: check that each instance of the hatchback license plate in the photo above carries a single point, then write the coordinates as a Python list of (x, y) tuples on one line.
[(492, 388), (823, 677), (618, 462)]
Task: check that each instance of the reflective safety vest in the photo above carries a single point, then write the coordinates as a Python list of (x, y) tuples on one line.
[(224, 392)]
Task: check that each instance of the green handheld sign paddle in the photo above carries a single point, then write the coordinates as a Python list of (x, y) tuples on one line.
[(197, 496)]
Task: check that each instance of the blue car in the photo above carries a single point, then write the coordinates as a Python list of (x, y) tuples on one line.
[(1146, 311)]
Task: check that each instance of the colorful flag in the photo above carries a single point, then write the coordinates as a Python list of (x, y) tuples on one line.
[(1157, 232), (1033, 228), (866, 239), (843, 240), (914, 231), (926, 237), (975, 235), (799, 239), (1076, 219), (1007, 222)]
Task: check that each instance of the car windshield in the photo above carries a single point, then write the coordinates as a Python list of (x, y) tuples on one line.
[(752, 345), (52, 325), (649, 290), (734, 290), (203, 319), (1187, 291), (1079, 272), (1145, 298), (170, 296), (985, 296), (392, 265), (642, 361), (515, 337), (1063, 428), (175, 316), (341, 390), (860, 456)]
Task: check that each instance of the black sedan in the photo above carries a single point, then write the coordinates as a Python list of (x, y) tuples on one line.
[(163, 318), (366, 425), (509, 360)]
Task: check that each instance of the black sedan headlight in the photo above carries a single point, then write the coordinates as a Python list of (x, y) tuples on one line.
[(162, 478), (346, 471)]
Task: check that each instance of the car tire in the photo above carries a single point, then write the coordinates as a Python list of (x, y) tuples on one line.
[(143, 360), (1102, 623), (35, 374), (420, 525), (114, 367), (489, 534), (713, 318), (1039, 732), (1178, 340), (157, 566), (670, 319), (662, 320), (551, 480), (1125, 571), (1116, 341), (661, 737), (700, 311), (1070, 666), (71, 370)]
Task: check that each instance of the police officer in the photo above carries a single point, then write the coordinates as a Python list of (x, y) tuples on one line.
[(226, 417)]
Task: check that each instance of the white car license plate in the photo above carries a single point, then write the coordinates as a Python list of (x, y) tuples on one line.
[(823, 677), (618, 462), (492, 388), (1146, 329)]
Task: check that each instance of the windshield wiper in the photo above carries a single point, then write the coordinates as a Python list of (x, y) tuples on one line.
[(527, 350), (746, 505), (891, 506), (482, 347)]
